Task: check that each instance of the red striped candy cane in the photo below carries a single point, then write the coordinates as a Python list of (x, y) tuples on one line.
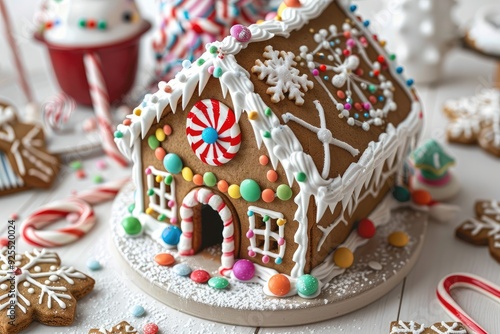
[(100, 101), (103, 193), (462, 280)]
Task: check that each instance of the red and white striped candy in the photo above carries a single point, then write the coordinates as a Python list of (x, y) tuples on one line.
[(103, 193), (100, 101), (213, 115), (32, 228), (463, 280)]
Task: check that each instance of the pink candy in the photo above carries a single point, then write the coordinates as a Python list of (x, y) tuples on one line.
[(150, 328), (241, 33)]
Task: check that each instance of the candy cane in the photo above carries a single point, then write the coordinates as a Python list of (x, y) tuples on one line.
[(100, 101), (57, 110), (463, 280), (78, 205)]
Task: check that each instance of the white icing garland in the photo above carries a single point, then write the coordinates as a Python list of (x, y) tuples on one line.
[(281, 143)]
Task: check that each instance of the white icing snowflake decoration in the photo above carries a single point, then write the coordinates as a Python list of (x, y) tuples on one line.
[(282, 76)]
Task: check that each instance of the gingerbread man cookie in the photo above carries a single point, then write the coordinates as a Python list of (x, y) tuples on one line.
[(122, 328), (411, 327), (24, 161), (476, 120), (485, 229), (35, 287)]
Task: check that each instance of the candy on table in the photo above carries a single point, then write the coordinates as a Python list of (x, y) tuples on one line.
[(432, 172), (137, 311)]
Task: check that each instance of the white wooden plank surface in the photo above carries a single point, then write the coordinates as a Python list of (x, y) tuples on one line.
[(442, 253)]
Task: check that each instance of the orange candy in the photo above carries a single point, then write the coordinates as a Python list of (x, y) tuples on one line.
[(160, 153), (272, 176), (421, 197), (127, 121), (263, 160), (268, 195), (198, 180), (343, 257), (222, 185), (279, 285), (167, 129), (398, 239), (164, 259)]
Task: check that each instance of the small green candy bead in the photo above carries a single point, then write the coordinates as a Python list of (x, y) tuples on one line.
[(153, 142), (307, 285), (102, 25), (97, 179), (372, 88), (401, 194), (268, 111), (200, 61), (162, 217), (82, 23), (218, 72), (265, 218), (131, 225), (168, 180), (284, 192), (392, 57), (75, 165), (250, 190), (151, 192), (213, 49), (301, 177), (209, 179), (267, 134), (118, 134), (131, 208), (218, 283)]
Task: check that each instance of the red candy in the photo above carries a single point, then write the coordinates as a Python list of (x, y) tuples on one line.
[(150, 328), (421, 197), (4, 242), (200, 276), (366, 228)]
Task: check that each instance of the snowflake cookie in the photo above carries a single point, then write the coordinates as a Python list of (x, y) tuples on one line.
[(485, 229), (122, 328), (476, 119), (34, 286), (411, 327), (282, 76)]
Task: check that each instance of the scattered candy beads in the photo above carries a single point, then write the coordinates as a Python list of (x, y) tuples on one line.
[(421, 197), (263, 160), (4, 242), (137, 311), (307, 285), (343, 257), (164, 259), (171, 235), (218, 283), (398, 239), (401, 194), (132, 225), (272, 176), (244, 270), (366, 228), (172, 163), (150, 328), (182, 269), (279, 285), (93, 265), (250, 190), (200, 276), (234, 191), (284, 192)]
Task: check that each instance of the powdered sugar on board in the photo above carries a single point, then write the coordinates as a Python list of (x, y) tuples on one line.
[(137, 255)]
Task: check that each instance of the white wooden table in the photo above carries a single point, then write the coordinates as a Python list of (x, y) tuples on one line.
[(414, 299)]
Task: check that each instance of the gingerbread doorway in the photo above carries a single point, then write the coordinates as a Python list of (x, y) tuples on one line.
[(206, 219)]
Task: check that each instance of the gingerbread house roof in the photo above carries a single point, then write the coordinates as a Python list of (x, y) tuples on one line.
[(282, 144)]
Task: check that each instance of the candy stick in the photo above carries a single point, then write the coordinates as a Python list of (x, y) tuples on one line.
[(463, 280), (100, 101), (21, 73), (103, 193)]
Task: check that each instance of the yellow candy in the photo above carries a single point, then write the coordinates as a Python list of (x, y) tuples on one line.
[(149, 211), (159, 178), (253, 115), (343, 257), (234, 191), (137, 112), (160, 135), (281, 222), (398, 239), (281, 8), (187, 174)]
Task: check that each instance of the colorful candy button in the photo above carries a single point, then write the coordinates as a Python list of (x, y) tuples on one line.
[(137, 311), (343, 257), (307, 285), (172, 163), (182, 269), (164, 259), (398, 239), (150, 328), (250, 190), (93, 264), (421, 197), (187, 174), (244, 270), (160, 135), (284, 192), (366, 228), (401, 194), (200, 276), (132, 225), (218, 283), (234, 191), (209, 179), (160, 153), (279, 285), (268, 195), (171, 235), (222, 186), (272, 176), (153, 142)]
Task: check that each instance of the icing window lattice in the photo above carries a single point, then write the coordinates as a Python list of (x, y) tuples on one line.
[(266, 233), (161, 193), (361, 93)]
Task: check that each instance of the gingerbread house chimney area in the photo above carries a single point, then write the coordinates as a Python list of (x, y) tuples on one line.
[(285, 133)]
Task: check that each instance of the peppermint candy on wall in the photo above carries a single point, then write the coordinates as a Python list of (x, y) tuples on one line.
[(212, 132), (463, 280)]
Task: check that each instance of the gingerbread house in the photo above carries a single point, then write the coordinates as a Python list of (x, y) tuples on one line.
[(24, 161), (276, 141)]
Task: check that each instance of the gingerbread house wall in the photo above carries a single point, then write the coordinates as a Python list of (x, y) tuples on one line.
[(245, 165)]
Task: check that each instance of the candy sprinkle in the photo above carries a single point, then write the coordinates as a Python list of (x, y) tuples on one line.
[(200, 276), (93, 264), (150, 328), (137, 311)]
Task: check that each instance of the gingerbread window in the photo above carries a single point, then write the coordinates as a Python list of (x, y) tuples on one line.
[(161, 193), (266, 234)]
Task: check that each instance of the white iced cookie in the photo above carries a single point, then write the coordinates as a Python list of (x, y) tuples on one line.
[(89, 22), (484, 32)]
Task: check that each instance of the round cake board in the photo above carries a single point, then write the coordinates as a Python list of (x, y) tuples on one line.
[(378, 268)]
